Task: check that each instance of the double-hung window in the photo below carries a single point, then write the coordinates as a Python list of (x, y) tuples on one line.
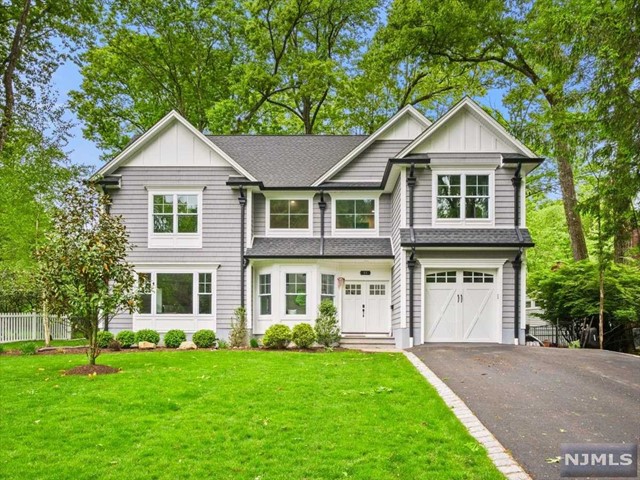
[(327, 287), (296, 293), (175, 219), (264, 293), (461, 197)]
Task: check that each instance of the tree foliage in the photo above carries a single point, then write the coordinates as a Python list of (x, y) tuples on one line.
[(83, 267), (570, 298)]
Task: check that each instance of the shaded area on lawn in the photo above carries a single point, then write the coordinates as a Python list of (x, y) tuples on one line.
[(231, 414)]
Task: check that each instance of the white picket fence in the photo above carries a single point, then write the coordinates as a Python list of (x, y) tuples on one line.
[(18, 327)]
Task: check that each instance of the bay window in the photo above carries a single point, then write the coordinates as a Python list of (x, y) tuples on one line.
[(264, 292), (327, 287)]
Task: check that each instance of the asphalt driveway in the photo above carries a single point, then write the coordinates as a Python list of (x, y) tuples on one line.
[(533, 399)]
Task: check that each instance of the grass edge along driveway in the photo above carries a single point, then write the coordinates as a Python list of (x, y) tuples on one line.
[(231, 414)]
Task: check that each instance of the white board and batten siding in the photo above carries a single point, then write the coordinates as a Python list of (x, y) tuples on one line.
[(18, 327)]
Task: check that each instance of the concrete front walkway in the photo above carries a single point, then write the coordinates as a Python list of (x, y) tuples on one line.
[(533, 399)]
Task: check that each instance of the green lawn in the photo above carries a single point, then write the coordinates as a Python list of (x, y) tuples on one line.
[(40, 343), (230, 414)]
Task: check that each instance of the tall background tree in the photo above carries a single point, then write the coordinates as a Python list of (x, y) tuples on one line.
[(36, 37)]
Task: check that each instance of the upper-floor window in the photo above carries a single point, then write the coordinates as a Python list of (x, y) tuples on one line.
[(289, 214), (463, 197), (357, 214), (175, 218), (175, 213)]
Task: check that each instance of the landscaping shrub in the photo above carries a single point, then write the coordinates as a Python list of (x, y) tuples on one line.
[(254, 343), (173, 338), (303, 335), (204, 338), (1, 349), (29, 348), (126, 338), (147, 335), (222, 345), (115, 345), (104, 338), (238, 334), (327, 328), (277, 336)]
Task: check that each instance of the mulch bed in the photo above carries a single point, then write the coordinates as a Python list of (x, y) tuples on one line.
[(92, 370)]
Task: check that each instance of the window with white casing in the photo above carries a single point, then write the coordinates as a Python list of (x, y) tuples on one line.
[(178, 293), (296, 293), (175, 219), (463, 198), (327, 287), (264, 293), (290, 214)]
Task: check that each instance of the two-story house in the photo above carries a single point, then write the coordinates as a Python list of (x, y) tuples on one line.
[(416, 232)]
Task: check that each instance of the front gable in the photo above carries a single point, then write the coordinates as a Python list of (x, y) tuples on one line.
[(466, 128), (172, 142)]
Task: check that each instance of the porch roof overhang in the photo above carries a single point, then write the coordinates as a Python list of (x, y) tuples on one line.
[(334, 248), (466, 237)]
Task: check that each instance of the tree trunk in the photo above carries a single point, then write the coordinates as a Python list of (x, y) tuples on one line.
[(570, 201), (8, 77), (94, 350), (601, 309), (45, 322)]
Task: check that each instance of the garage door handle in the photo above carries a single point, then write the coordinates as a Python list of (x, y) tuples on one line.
[(363, 311)]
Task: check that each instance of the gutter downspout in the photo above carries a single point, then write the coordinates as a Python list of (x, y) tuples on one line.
[(323, 206), (242, 200), (411, 262), (516, 181)]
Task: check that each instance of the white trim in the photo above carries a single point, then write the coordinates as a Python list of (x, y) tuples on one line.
[(248, 285), (174, 239), (403, 289), (361, 147), (189, 322), (288, 232), (457, 264), (157, 128), (356, 232), (462, 222), (474, 107)]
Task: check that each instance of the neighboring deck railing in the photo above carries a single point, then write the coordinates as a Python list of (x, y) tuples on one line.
[(18, 327)]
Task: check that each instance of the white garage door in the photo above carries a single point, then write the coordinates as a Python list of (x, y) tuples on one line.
[(462, 306)]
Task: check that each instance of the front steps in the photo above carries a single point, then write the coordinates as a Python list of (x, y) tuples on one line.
[(368, 344)]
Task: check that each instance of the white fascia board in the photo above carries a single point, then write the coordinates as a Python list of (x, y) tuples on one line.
[(151, 133), (409, 109), (467, 102)]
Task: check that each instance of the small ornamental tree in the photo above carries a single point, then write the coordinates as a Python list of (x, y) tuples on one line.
[(83, 267)]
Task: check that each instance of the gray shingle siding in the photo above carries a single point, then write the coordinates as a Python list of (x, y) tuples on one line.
[(396, 290), (384, 216), (259, 206), (327, 215), (504, 206), (220, 229), (370, 164)]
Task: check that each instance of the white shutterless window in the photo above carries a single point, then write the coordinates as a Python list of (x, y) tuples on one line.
[(175, 217), (463, 198)]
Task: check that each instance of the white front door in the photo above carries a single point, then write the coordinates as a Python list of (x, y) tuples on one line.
[(365, 307), (461, 306)]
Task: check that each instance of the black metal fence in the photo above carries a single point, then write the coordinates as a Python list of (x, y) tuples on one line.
[(551, 333)]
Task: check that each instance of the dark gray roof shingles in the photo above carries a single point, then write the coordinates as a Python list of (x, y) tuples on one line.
[(310, 248), (467, 236), (287, 160)]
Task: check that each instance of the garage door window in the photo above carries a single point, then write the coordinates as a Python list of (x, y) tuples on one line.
[(442, 277), (477, 277)]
